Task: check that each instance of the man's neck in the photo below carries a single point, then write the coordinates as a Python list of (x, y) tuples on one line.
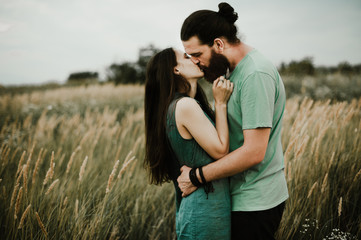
[(235, 53)]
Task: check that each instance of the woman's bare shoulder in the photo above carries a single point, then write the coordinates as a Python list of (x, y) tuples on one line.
[(187, 105)]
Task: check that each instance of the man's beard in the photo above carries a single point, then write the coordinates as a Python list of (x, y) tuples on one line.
[(218, 65)]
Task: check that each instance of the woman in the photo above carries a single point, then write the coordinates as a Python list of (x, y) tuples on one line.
[(180, 131)]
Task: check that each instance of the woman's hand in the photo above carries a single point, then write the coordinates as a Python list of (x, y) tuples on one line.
[(184, 183), (222, 90)]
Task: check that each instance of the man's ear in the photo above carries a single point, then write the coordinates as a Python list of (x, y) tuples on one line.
[(218, 45)]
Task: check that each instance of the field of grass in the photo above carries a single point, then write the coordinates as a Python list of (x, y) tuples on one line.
[(71, 167)]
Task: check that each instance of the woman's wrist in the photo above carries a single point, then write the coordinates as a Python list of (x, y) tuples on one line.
[(220, 105)]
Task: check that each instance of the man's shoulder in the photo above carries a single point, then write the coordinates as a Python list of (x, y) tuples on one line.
[(255, 64)]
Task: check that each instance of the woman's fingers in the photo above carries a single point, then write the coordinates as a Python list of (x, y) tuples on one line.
[(222, 84), (230, 85), (215, 83), (221, 81)]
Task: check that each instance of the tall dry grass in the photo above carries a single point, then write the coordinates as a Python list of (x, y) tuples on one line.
[(67, 162), (322, 143), (74, 170)]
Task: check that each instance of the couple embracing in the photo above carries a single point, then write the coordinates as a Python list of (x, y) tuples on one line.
[(226, 164)]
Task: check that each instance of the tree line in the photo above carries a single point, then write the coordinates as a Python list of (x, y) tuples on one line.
[(305, 67), (134, 72), (120, 73)]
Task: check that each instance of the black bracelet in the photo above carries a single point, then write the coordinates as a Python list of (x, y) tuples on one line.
[(208, 186), (202, 176), (193, 178)]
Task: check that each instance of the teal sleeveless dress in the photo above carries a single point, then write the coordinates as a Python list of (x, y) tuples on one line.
[(199, 215)]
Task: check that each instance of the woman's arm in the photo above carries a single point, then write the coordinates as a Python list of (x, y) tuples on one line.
[(221, 92), (191, 121)]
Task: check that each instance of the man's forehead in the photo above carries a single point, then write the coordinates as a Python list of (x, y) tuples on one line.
[(192, 45)]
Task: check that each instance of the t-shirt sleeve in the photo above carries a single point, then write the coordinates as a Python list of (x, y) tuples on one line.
[(257, 101)]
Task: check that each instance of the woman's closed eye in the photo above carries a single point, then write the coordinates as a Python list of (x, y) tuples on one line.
[(187, 56)]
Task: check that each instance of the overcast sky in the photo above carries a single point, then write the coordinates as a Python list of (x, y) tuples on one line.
[(46, 40)]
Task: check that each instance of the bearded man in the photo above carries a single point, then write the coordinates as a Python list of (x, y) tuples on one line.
[(255, 164)]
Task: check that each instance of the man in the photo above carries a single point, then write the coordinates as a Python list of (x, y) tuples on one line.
[(255, 110)]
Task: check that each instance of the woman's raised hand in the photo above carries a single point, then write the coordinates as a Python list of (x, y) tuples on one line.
[(222, 90)]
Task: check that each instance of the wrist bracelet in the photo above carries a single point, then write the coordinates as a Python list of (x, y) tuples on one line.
[(202, 176), (208, 186), (193, 178)]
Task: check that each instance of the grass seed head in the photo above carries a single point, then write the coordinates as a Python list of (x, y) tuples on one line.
[(82, 168), (41, 225), (18, 202), (52, 186), (22, 219)]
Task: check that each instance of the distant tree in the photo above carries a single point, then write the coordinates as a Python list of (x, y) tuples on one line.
[(357, 68), (282, 68), (145, 54), (301, 68), (122, 73), (306, 67), (345, 68), (83, 77), (128, 72)]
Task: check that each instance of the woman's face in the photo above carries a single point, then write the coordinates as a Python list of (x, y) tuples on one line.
[(186, 67)]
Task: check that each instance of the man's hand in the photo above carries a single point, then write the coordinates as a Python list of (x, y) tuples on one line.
[(184, 183)]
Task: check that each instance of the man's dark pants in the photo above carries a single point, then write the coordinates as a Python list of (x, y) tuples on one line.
[(256, 225)]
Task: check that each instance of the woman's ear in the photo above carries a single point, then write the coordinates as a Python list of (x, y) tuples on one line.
[(176, 71)]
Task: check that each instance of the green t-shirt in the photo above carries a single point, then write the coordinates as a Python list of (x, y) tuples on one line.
[(258, 100)]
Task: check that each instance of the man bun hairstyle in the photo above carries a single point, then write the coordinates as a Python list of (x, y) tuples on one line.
[(208, 25), (226, 11)]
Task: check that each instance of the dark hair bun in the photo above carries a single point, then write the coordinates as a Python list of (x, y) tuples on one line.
[(226, 11)]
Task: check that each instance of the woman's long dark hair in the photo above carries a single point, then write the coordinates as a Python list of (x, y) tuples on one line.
[(160, 88)]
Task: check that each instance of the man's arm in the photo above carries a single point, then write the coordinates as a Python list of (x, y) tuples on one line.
[(251, 153)]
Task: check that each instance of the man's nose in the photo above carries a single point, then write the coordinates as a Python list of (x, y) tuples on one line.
[(194, 60)]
